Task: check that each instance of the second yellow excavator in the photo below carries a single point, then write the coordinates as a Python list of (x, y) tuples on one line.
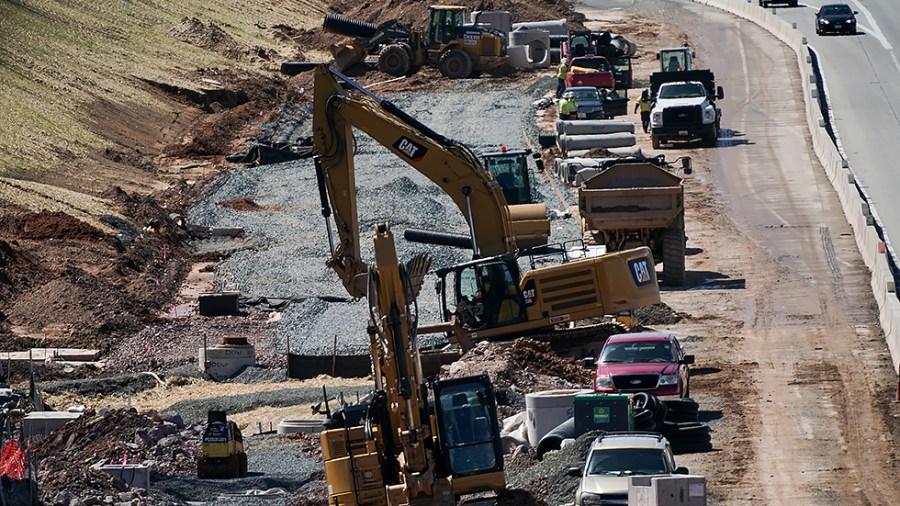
[(488, 297)]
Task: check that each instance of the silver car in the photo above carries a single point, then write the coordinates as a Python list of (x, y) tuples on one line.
[(614, 457)]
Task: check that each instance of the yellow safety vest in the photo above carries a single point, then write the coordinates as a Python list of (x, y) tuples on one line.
[(567, 106), (644, 105), (563, 69)]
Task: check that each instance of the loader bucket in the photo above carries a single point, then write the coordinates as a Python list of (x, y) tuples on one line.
[(347, 54)]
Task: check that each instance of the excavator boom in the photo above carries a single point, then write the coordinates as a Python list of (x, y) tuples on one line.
[(340, 105)]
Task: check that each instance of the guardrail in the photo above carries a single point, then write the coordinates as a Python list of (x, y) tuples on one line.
[(870, 236)]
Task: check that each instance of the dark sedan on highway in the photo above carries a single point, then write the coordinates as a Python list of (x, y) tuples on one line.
[(836, 18)]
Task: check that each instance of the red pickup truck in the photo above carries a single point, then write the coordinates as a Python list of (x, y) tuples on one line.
[(590, 71), (652, 362)]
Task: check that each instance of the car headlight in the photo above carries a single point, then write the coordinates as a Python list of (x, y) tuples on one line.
[(591, 500), (825, 22), (656, 118), (603, 381), (709, 115), (851, 21), (668, 379)]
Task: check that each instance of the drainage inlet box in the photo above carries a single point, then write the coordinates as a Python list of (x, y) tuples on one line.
[(609, 412), (218, 304)]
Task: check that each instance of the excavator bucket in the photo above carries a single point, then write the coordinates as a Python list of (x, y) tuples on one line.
[(347, 54)]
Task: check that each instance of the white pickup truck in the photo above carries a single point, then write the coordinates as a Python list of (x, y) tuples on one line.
[(684, 107)]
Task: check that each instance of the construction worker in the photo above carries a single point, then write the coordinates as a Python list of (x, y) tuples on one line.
[(644, 104), (567, 105), (561, 77)]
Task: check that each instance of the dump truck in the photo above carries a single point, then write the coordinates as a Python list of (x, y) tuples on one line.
[(634, 202), (684, 107)]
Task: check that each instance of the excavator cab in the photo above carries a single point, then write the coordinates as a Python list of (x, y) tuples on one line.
[(443, 22), (485, 293), (510, 170), (465, 413)]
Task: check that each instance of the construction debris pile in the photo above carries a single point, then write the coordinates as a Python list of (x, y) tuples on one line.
[(160, 441)]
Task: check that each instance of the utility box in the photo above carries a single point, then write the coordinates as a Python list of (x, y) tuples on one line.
[(608, 412), (218, 304), (42, 423), (133, 475), (674, 490)]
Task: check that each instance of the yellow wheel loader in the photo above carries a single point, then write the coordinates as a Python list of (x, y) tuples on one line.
[(447, 43), (222, 452)]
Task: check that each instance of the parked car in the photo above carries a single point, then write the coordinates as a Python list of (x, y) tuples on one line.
[(652, 362), (615, 456), (836, 18), (587, 99)]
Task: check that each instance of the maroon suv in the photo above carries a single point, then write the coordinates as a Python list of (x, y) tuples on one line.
[(652, 362)]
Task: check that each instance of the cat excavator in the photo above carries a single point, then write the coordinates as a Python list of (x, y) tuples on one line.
[(488, 297)]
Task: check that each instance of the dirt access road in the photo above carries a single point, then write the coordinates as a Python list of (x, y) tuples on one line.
[(793, 372)]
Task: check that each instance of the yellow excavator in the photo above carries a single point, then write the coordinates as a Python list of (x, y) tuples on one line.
[(488, 297), (412, 442)]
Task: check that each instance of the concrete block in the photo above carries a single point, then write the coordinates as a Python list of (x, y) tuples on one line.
[(134, 475), (225, 361), (43, 423), (676, 490), (518, 57)]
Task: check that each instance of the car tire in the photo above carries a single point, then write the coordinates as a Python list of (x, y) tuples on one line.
[(455, 64), (655, 141), (673, 271)]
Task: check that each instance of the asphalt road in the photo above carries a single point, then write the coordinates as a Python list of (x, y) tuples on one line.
[(795, 362), (862, 76)]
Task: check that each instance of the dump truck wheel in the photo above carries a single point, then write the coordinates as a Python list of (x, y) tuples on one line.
[(655, 140), (710, 138), (456, 64), (395, 60), (673, 253)]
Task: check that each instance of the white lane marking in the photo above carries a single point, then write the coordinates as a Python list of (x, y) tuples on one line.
[(876, 32)]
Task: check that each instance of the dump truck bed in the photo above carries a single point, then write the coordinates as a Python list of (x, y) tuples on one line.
[(631, 196)]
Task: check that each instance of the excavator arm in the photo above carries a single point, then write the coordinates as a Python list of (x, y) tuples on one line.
[(341, 105)]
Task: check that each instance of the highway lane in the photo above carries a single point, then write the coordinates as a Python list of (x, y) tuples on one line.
[(862, 76), (808, 423)]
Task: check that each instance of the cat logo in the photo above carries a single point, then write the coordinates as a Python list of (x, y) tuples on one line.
[(410, 149), (640, 271)]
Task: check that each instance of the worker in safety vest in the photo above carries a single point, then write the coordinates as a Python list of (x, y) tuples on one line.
[(567, 105), (561, 77), (644, 104)]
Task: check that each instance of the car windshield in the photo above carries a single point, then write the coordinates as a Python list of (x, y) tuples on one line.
[(586, 95), (637, 352), (627, 461), (685, 90), (598, 64), (836, 10)]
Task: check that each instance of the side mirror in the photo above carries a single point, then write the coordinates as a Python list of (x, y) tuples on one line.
[(686, 165), (589, 362), (657, 56), (720, 92), (575, 472), (539, 164), (688, 359), (681, 470), (855, 12)]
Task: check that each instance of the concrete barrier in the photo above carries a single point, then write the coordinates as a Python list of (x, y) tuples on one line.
[(838, 170)]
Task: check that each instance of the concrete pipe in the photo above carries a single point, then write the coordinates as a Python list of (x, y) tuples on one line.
[(600, 126), (584, 174), (498, 20), (525, 37), (556, 27), (518, 57), (539, 54), (628, 47), (555, 56), (618, 152), (574, 142), (304, 426)]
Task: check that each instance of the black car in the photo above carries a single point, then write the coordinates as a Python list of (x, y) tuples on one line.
[(836, 18)]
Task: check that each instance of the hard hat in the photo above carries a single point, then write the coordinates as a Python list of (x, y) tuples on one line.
[(569, 94)]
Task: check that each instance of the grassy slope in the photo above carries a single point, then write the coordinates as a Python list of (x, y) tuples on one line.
[(68, 67)]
